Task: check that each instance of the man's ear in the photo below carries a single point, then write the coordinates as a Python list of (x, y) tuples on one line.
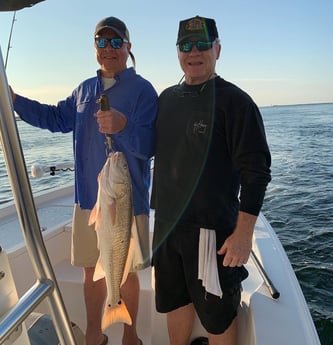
[(218, 48)]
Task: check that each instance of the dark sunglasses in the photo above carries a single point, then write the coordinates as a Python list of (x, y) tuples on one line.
[(115, 43), (186, 47)]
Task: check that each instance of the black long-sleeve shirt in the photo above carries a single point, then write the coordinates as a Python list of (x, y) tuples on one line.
[(212, 157)]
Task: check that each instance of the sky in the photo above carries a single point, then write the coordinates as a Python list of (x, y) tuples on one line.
[(279, 52)]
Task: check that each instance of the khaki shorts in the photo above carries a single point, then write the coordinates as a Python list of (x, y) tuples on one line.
[(84, 241)]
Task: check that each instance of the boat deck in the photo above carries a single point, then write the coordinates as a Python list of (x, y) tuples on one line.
[(260, 316)]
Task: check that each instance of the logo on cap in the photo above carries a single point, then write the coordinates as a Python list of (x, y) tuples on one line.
[(195, 24)]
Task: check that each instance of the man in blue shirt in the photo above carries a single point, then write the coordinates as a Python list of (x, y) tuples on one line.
[(130, 120)]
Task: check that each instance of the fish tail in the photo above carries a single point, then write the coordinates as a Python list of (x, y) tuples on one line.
[(118, 313)]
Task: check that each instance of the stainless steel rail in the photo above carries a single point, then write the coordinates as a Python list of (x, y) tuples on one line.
[(46, 286)]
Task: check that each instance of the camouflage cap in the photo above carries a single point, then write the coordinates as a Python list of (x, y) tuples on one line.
[(197, 28)]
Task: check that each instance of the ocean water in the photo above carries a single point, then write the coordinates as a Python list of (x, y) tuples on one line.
[(298, 202), (40, 148)]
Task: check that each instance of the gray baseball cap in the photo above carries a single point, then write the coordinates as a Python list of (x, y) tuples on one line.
[(115, 24)]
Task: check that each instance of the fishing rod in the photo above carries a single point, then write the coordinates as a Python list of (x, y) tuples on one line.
[(10, 38), (38, 171)]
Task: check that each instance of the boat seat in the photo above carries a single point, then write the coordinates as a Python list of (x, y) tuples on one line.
[(8, 298)]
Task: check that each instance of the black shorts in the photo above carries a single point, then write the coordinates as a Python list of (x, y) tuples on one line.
[(177, 284)]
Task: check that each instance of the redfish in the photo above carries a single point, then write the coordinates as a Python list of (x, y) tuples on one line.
[(112, 215)]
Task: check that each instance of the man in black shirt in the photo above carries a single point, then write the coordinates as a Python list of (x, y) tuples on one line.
[(212, 167)]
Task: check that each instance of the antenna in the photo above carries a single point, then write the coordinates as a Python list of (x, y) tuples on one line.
[(10, 38)]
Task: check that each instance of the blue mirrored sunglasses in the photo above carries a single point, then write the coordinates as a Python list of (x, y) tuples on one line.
[(186, 47), (115, 43)]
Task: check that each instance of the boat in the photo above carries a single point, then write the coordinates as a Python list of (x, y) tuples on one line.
[(272, 310), (41, 293)]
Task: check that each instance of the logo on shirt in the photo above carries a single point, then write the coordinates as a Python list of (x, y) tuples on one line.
[(199, 127)]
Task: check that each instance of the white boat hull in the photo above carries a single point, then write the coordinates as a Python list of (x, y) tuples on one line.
[(262, 319)]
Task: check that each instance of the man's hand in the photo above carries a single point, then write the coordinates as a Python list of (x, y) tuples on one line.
[(237, 247), (111, 121)]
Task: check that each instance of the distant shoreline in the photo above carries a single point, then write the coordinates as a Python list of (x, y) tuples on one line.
[(293, 105)]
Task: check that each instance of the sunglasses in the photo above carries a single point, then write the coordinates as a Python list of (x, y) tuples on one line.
[(201, 46), (115, 43)]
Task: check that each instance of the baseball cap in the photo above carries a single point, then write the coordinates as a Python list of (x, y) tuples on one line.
[(197, 27), (115, 24)]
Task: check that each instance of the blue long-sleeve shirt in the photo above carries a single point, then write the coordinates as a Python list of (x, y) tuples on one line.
[(133, 96)]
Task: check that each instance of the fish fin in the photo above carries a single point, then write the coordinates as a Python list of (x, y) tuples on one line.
[(95, 215), (99, 272), (118, 313), (95, 212)]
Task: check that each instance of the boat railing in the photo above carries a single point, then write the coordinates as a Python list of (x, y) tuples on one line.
[(46, 286)]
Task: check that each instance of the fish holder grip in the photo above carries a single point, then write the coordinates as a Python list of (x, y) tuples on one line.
[(105, 105), (104, 102)]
